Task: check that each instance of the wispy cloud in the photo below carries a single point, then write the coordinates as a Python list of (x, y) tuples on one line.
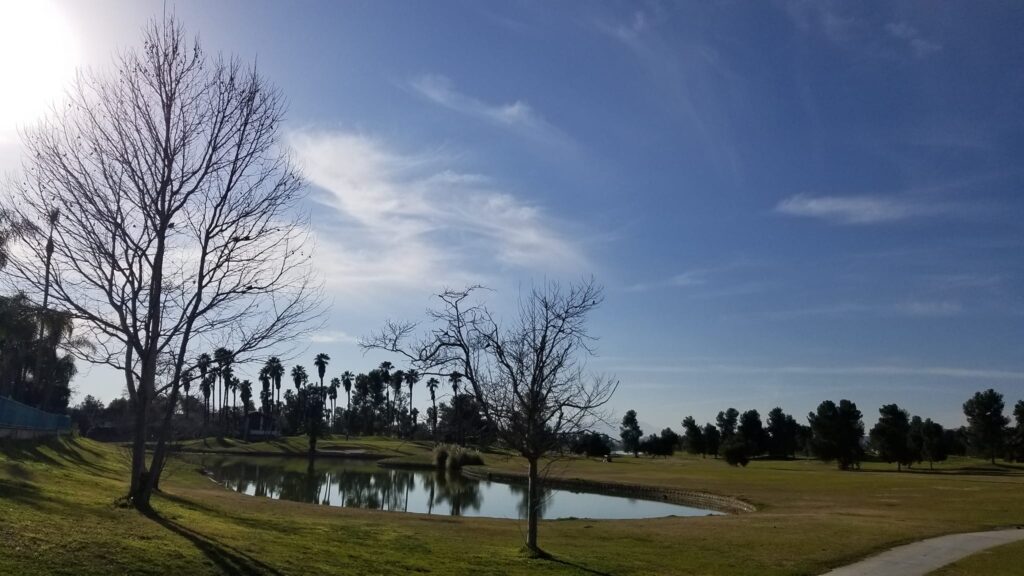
[(921, 46), (332, 337), (839, 24), (858, 370), (919, 308), (695, 81), (392, 220), (517, 116), (859, 209), (691, 278), (628, 31)]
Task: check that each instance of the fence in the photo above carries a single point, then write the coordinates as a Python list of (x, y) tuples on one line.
[(17, 416)]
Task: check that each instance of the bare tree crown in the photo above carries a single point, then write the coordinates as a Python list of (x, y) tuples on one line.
[(527, 374), (178, 212)]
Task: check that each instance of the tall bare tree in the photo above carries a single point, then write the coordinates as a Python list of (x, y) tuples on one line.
[(528, 374), (178, 223)]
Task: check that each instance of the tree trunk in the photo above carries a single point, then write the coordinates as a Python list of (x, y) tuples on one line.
[(156, 467), (138, 472), (533, 507)]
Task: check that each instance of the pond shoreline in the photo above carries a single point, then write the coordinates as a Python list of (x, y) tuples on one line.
[(691, 498), (349, 455)]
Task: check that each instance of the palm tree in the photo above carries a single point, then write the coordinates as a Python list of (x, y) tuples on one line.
[(432, 385), (186, 383), (320, 362), (222, 356), (346, 381), (385, 374), (205, 386), (411, 378), (9, 230), (264, 378), (456, 377), (235, 384), (246, 387), (203, 363), (299, 377), (53, 216), (332, 393), (276, 372), (397, 379)]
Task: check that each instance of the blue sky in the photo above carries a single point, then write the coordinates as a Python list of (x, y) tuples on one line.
[(786, 201)]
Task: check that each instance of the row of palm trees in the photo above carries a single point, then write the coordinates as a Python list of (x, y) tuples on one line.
[(217, 382)]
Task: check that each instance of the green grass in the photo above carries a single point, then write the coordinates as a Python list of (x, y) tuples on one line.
[(299, 446), (58, 516), (1005, 560)]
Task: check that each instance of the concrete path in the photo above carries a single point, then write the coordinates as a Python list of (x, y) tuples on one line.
[(922, 557)]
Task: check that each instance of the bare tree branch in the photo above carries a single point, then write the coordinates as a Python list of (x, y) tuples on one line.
[(179, 226)]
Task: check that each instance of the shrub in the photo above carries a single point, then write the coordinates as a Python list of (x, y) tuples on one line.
[(453, 457), (591, 444), (440, 456), (735, 451)]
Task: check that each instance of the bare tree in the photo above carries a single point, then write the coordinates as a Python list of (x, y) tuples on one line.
[(527, 375), (178, 225)]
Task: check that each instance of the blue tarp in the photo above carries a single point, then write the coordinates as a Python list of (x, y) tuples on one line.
[(14, 414)]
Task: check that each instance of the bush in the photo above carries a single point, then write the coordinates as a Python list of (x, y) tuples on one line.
[(453, 457), (592, 445), (735, 451), (440, 456)]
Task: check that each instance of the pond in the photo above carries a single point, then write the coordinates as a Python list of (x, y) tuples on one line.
[(362, 484)]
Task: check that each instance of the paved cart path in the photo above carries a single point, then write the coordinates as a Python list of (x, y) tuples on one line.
[(922, 557)]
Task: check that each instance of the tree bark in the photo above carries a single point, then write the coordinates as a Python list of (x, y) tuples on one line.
[(156, 467), (533, 507), (140, 427)]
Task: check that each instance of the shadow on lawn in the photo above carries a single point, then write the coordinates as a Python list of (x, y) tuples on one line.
[(998, 469), (579, 567), (543, 556), (227, 559)]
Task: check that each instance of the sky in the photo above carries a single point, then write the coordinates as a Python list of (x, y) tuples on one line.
[(785, 202)]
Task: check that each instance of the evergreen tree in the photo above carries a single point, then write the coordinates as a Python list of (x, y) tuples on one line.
[(837, 432), (751, 430), (934, 446), (891, 436), (986, 423), (727, 422), (631, 433), (712, 439), (693, 437)]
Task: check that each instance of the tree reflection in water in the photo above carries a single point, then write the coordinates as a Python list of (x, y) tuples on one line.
[(365, 485)]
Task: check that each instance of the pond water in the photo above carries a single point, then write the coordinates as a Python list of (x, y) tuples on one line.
[(360, 484)]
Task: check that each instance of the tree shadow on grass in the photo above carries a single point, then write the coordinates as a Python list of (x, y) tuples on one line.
[(987, 470), (541, 556), (227, 559)]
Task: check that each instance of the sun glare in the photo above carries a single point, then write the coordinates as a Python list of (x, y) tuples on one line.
[(38, 56)]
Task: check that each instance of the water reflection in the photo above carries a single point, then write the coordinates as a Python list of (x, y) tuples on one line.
[(366, 485)]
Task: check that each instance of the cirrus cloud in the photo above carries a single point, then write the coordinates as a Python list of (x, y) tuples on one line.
[(393, 220)]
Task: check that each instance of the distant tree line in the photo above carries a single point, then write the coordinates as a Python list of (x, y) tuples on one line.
[(836, 433), (214, 400)]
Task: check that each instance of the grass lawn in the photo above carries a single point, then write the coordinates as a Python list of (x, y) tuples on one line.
[(58, 516), (298, 445), (1006, 560)]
